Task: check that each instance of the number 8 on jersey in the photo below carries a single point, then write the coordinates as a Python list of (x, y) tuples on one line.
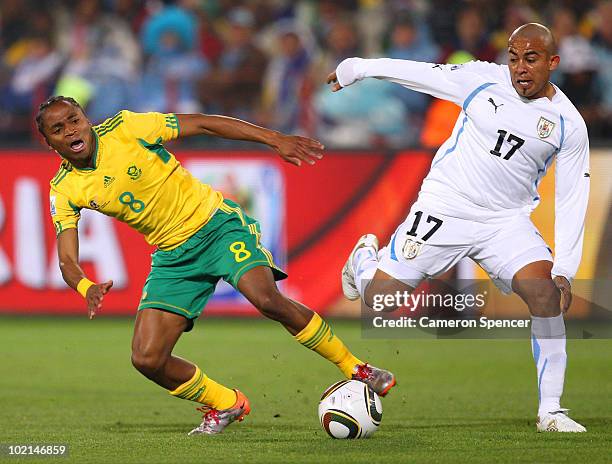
[(240, 251)]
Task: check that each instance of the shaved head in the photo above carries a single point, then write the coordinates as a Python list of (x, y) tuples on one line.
[(532, 56), (533, 32)]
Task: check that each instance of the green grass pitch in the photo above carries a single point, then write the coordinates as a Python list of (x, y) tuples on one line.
[(70, 381)]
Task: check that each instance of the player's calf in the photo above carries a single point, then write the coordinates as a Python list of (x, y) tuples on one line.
[(270, 304), (259, 287), (533, 283), (541, 296), (276, 306)]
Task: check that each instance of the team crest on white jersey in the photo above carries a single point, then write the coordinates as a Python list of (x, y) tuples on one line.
[(411, 249), (545, 127)]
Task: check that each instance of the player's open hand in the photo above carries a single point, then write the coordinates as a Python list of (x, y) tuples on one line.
[(333, 80), (566, 292), (95, 295), (295, 149)]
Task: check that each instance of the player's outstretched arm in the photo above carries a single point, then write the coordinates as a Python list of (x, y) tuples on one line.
[(293, 149), (68, 252), (441, 81)]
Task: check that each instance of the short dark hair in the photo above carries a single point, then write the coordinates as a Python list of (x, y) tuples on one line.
[(43, 107)]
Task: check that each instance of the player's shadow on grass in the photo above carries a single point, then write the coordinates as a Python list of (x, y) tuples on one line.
[(127, 427), (502, 422), (467, 424), (155, 427)]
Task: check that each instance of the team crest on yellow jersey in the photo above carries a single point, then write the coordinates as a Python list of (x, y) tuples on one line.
[(134, 172)]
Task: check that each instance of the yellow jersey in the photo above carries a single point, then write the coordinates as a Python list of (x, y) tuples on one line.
[(136, 180)]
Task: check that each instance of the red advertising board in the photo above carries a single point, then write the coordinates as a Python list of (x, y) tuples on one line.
[(325, 208)]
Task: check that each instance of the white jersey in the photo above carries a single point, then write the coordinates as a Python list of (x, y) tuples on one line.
[(500, 148)]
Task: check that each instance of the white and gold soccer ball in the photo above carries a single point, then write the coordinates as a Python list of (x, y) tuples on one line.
[(350, 409)]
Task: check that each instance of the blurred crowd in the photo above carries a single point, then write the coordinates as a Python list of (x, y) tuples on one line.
[(266, 60)]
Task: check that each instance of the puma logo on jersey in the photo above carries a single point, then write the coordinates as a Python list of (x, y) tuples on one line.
[(108, 180), (494, 105)]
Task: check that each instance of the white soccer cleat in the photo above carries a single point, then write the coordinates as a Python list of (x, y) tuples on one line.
[(558, 421), (379, 380), (349, 287), (215, 420)]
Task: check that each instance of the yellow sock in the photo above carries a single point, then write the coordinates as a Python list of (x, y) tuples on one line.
[(202, 389), (319, 337)]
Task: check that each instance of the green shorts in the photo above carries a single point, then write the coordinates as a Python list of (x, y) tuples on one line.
[(183, 279)]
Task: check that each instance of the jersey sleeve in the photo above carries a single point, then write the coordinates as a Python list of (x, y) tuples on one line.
[(445, 81), (572, 183), (64, 213), (151, 127)]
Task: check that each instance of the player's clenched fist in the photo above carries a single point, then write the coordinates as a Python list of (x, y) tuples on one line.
[(95, 295), (333, 80), (348, 72)]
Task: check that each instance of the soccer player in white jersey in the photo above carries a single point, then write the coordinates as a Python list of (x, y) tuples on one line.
[(482, 187)]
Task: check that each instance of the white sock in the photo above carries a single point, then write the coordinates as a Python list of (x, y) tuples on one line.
[(548, 346), (365, 263)]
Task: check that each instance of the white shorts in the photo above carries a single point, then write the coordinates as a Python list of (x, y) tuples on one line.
[(427, 244)]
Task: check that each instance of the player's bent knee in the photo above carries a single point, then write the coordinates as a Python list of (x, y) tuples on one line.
[(148, 363)]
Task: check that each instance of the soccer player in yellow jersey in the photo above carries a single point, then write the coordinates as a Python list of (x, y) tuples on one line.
[(121, 168)]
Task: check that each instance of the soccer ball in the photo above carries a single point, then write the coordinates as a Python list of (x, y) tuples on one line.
[(350, 409)]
